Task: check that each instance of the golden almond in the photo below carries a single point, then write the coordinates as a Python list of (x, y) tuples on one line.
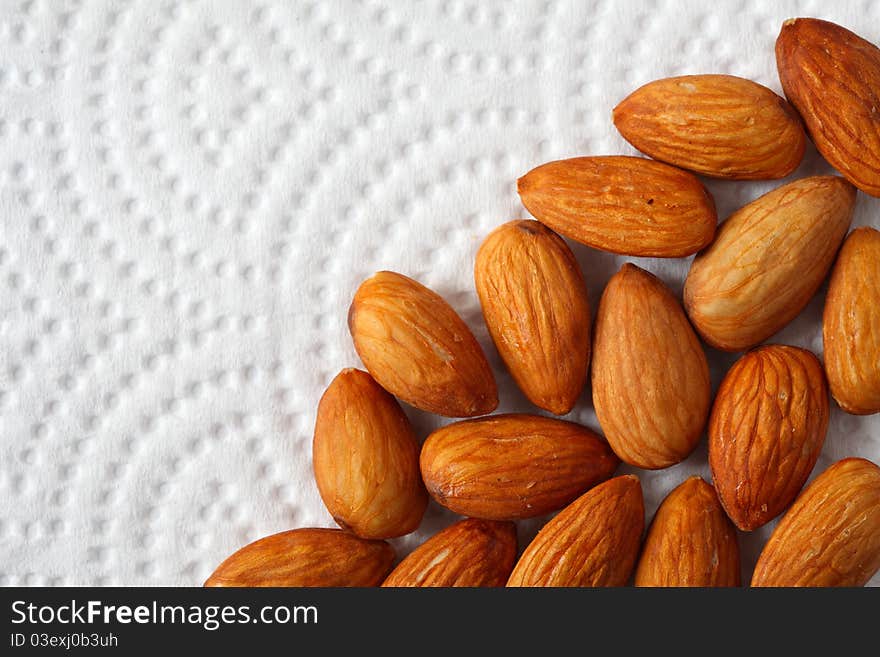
[(366, 459), (851, 324), (417, 348), (715, 125), (594, 541), (470, 552), (691, 541), (535, 304), (831, 534), (651, 387), (622, 204), (513, 466), (767, 261)]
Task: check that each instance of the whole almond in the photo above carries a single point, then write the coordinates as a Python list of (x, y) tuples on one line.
[(470, 552), (622, 204), (831, 534), (307, 557), (418, 349), (594, 541), (851, 324), (768, 259), (832, 77), (766, 431), (366, 459), (691, 542), (513, 466), (535, 304), (716, 125), (651, 387)]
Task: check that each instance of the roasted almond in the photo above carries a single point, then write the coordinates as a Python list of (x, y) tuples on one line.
[(716, 125), (766, 431), (307, 557), (690, 542), (768, 259), (831, 534), (622, 204), (594, 541), (651, 387), (470, 552), (535, 304), (366, 459), (851, 324), (418, 349), (832, 77), (513, 466)]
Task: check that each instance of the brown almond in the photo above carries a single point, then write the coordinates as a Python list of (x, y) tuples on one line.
[(418, 349), (306, 557), (593, 542), (851, 324), (691, 541), (651, 387), (513, 466), (470, 552), (716, 125), (767, 261), (622, 204), (832, 77), (366, 459), (535, 304), (831, 534), (766, 431)]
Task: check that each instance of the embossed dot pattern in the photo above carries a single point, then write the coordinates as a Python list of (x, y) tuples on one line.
[(191, 190)]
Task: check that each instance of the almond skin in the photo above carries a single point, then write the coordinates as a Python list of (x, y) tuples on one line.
[(691, 542), (851, 324), (832, 77), (366, 459), (418, 349), (767, 261), (513, 466), (716, 125), (535, 304), (651, 387), (831, 534), (471, 552), (766, 431), (594, 541), (307, 557), (622, 204)]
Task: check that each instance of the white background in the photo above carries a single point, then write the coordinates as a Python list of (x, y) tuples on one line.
[(191, 191)]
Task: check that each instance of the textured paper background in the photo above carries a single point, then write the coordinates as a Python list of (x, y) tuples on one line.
[(191, 190)]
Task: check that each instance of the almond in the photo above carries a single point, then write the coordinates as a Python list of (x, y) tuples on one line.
[(307, 557), (418, 349), (535, 304), (716, 125), (690, 542), (594, 541), (766, 431), (366, 459), (651, 387), (831, 534), (851, 324), (513, 466), (622, 204), (767, 261), (832, 77), (470, 552)]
